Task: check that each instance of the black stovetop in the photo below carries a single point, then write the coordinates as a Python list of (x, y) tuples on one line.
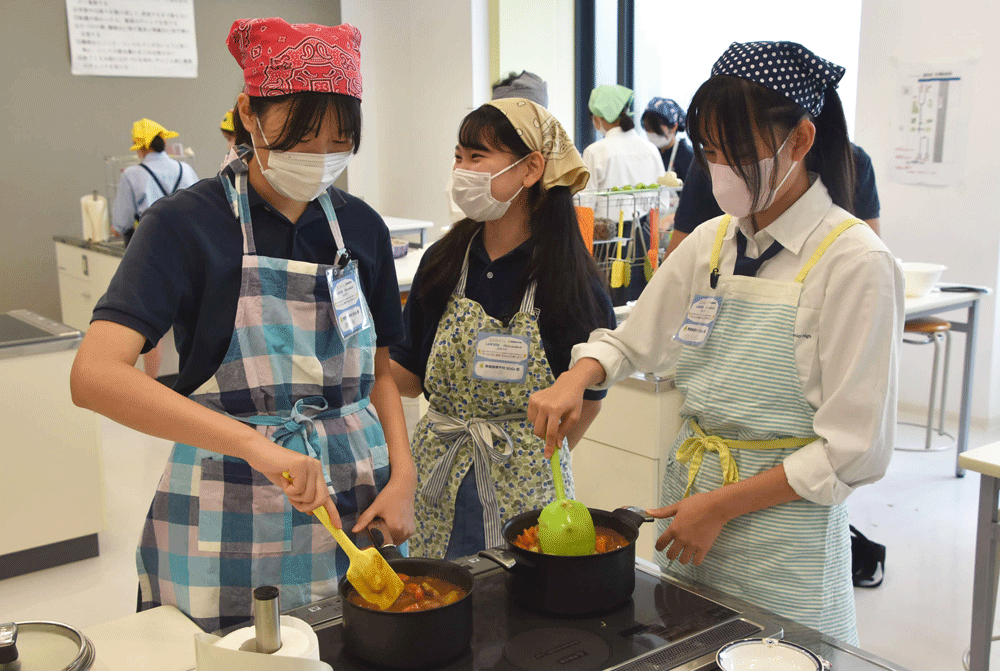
[(683, 629)]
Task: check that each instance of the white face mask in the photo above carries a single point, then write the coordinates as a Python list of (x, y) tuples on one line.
[(473, 192), (733, 194), (660, 141), (299, 175)]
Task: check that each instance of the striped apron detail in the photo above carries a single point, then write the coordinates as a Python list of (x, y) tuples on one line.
[(742, 392), (216, 529)]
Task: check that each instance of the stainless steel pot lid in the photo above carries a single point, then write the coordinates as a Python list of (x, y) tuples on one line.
[(754, 654), (44, 646)]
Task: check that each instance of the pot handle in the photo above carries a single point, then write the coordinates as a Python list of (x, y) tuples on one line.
[(508, 561), (633, 514), (387, 550)]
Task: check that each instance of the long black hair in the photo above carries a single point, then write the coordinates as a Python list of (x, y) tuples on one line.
[(306, 113), (565, 271), (729, 112)]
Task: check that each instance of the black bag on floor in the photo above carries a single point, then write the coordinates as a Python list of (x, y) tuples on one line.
[(867, 560)]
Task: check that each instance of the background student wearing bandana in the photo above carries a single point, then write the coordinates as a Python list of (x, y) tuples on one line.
[(282, 294), (781, 321), (662, 120), (495, 309)]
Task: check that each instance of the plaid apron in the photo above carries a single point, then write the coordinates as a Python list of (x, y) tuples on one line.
[(742, 387), (216, 528), (474, 421)]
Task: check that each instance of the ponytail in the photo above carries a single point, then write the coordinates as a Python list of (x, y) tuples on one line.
[(832, 155)]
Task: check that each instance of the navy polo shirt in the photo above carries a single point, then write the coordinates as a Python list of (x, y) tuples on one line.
[(183, 267), (698, 205), (494, 285), (682, 162)]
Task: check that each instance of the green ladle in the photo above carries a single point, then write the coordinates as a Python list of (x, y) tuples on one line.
[(565, 526)]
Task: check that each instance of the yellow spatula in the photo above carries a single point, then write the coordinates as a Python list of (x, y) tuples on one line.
[(620, 271), (369, 573)]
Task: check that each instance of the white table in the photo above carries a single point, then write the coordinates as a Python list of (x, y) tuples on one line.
[(945, 301), (986, 461)]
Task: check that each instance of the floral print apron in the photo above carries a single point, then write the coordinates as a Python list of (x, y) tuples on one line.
[(475, 421)]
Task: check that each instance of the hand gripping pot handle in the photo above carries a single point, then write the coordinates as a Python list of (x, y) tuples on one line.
[(388, 551)]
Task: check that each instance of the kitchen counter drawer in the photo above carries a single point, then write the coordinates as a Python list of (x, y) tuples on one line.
[(73, 261)]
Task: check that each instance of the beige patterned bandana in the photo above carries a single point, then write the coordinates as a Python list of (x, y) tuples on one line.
[(543, 133)]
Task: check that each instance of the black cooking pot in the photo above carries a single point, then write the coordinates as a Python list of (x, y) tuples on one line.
[(410, 640), (584, 585)]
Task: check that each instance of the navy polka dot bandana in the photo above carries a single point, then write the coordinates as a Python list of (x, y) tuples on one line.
[(786, 67), (669, 111)]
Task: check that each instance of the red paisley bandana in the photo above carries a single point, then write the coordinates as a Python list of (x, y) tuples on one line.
[(280, 58)]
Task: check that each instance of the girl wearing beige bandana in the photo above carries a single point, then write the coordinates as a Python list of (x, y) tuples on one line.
[(495, 309)]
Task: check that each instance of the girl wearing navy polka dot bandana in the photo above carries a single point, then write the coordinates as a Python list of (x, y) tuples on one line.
[(780, 322)]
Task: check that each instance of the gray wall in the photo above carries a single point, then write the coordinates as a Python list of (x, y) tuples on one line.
[(56, 128)]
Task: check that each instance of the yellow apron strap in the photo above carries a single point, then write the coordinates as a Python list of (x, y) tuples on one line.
[(717, 248), (693, 450), (834, 234)]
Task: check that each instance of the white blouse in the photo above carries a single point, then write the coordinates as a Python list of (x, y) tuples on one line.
[(847, 334), (622, 158)]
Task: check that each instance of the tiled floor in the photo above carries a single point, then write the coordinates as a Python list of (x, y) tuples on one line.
[(918, 618)]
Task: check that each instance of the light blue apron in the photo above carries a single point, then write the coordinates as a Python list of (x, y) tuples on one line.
[(216, 528), (742, 385)]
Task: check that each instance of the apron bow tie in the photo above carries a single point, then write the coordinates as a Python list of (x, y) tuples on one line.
[(483, 434), (692, 451)]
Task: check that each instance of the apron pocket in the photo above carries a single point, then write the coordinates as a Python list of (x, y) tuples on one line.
[(241, 511)]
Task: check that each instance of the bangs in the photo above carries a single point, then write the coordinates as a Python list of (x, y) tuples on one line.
[(489, 129), (724, 116), (306, 113), (729, 114)]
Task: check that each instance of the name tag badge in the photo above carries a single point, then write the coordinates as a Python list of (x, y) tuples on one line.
[(501, 357), (700, 321), (345, 294)]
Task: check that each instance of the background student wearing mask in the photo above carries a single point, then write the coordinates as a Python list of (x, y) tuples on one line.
[(662, 121), (622, 157)]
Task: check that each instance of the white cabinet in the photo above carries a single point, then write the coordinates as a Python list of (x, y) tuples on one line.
[(78, 293), (53, 489), (620, 460), (84, 276)]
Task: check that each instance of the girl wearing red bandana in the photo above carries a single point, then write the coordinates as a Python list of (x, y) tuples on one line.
[(282, 293)]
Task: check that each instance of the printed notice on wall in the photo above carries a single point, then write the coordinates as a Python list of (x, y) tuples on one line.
[(132, 38), (931, 125)]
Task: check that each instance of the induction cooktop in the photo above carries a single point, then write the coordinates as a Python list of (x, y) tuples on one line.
[(22, 331), (663, 627)]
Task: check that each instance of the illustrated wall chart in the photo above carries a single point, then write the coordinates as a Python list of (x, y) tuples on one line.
[(930, 126), (132, 38)]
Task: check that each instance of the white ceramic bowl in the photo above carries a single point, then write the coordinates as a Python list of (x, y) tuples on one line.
[(920, 278), (755, 654)]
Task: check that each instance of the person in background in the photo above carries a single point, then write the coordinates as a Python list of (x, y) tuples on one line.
[(139, 186), (698, 205), (526, 85), (781, 322), (156, 176), (516, 271), (282, 293), (662, 121), (228, 132), (622, 157)]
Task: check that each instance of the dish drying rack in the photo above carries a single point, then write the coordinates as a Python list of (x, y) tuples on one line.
[(653, 209)]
